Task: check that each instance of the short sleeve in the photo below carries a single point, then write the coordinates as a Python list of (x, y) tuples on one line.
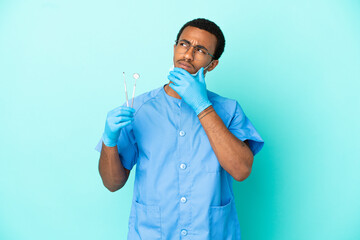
[(243, 129), (127, 147)]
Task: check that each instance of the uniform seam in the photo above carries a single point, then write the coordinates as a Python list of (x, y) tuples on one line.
[(147, 100)]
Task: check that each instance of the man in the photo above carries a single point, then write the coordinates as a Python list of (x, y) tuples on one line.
[(188, 143)]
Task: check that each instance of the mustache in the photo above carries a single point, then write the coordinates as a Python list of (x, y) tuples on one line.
[(182, 60)]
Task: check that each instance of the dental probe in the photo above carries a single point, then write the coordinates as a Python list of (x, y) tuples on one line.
[(135, 76), (126, 94)]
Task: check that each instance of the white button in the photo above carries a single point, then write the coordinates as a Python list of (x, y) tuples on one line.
[(182, 133), (183, 166), (183, 232), (183, 199)]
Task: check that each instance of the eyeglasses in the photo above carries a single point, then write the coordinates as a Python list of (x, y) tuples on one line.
[(200, 52)]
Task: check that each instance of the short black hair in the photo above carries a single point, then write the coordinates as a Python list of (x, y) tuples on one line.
[(212, 28)]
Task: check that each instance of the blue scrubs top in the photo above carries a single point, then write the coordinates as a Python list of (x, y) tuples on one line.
[(180, 189)]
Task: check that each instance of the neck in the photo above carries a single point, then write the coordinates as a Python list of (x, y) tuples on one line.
[(169, 91)]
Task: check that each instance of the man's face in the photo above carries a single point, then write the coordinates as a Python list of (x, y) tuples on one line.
[(190, 60)]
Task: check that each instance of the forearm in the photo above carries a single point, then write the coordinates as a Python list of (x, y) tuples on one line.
[(233, 154), (112, 172)]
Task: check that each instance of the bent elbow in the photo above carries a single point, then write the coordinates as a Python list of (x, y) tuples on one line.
[(113, 188), (245, 169), (243, 174)]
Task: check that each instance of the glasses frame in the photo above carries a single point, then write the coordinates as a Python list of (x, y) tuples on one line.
[(177, 42)]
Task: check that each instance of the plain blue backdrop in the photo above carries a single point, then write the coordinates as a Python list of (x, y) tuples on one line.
[(294, 66)]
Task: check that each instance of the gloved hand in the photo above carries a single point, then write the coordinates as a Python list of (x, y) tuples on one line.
[(191, 89), (115, 120)]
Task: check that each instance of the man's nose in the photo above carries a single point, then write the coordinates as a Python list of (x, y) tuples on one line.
[(189, 54)]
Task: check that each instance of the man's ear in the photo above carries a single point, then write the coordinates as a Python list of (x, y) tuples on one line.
[(213, 65)]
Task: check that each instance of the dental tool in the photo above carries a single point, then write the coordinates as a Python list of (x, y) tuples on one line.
[(126, 94), (135, 76)]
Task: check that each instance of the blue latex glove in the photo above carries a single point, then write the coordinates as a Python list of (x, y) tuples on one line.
[(191, 89), (115, 120)]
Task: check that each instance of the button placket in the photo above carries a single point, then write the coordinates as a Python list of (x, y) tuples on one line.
[(184, 178)]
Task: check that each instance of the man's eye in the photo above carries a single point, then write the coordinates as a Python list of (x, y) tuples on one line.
[(202, 51), (183, 44)]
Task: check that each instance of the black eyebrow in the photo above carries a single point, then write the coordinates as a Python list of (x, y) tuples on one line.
[(198, 46)]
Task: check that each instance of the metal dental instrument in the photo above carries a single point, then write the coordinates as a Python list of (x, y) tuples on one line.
[(127, 101), (135, 76)]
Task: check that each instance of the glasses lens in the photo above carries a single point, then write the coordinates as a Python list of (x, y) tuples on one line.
[(199, 53), (182, 46)]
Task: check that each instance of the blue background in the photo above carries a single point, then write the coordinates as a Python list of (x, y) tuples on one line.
[(294, 66)]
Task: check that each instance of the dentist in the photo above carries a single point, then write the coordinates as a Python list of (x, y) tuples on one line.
[(188, 145)]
